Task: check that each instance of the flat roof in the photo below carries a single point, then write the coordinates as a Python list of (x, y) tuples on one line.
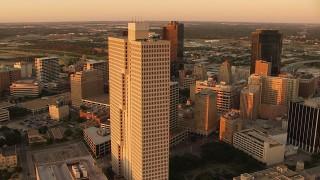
[(54, 172), (41, 103), (9, 69), (5, 104), (258, 135), (92, 132), (56, 133), (269, 127), (27, 81), (272, 173), (312, 171), (102, 98)]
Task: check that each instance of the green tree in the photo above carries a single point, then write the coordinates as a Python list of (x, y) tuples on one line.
[(43, 129), (68, 132)]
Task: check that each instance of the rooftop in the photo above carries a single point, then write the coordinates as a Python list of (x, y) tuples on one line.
[(93, 61), (47, 58), (4, 105), (54, 172), (313, 102), (102, 98), (41, 103), (9, 69), (96, 137), (312, 171), (8, 150), (258, 136), (279, 172), (27, 81), (269, 127)]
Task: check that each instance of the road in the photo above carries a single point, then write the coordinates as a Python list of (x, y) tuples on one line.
[(297, 65)]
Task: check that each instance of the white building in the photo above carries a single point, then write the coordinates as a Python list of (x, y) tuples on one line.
[(259, 146)]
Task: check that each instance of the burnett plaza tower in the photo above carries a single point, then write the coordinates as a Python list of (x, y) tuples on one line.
[(140, 104)]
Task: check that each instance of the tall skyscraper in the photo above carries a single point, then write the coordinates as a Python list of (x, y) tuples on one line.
[(304, 124), (249, 104), (225, 73), (274, 91), (205, 112), (263, 68), (174, 102), (47, 69), (140, 104), (101, 65), (84, 84), (174, 32), (266, 45), (200, 72)]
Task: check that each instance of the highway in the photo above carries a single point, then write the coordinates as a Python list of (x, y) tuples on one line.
[(297, 65)]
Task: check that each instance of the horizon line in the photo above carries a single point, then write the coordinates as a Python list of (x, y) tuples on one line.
[(79, 21)]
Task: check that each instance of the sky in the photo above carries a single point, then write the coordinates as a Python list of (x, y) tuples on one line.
[(284, 11)]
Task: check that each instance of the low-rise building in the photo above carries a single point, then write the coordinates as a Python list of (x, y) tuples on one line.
[(26, 88), (34, 137), (259, 146), (58, 112), (4, 115), (98, 140), (312, 173), (279, 172), (8, 157)]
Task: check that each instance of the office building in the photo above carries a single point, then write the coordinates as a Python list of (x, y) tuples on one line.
[(205, 112), (230, 123), (26, 88), (228, 96), (267, 46), (174, 102), (7, 77), (25, 67), (58, 112), (84, 84), (274, 91), (278, 172), (303, 124), (188, 81), (200, 72), (249, 104), (240, 73), (4, 115), (259, 145), (263, 68), (307, 85), (98, 141), (8, 157), (225, 74), (47, 69), (174, 32), (101, 65), (140, 104)]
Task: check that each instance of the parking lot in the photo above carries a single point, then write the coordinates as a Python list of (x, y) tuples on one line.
[(31, 122)]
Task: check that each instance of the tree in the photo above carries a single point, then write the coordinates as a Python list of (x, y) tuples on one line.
[(68, 132), (13, 138), (2, 142), (43, 129)]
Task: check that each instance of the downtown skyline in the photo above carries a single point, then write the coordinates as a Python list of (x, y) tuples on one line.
[(284, 11)]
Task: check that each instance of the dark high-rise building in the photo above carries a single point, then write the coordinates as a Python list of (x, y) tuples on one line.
[(304, 125), (174, 32), (266, 45)]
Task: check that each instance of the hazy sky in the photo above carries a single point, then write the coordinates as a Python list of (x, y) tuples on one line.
[(303, 11)]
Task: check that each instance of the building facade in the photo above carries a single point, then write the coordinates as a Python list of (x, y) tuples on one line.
[(58, 112), (259, 146), (230, 123), (8, 157), (25, 67), (7, 77), (304, 124), (47, 69), (174, 32), (4, 115), (98, 141), (249, 104), (174, 102), (205, 112), (225, 73), (101, 65), (140, 104), (263, 68), (84, 84), (267, 45), (26, 88)]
